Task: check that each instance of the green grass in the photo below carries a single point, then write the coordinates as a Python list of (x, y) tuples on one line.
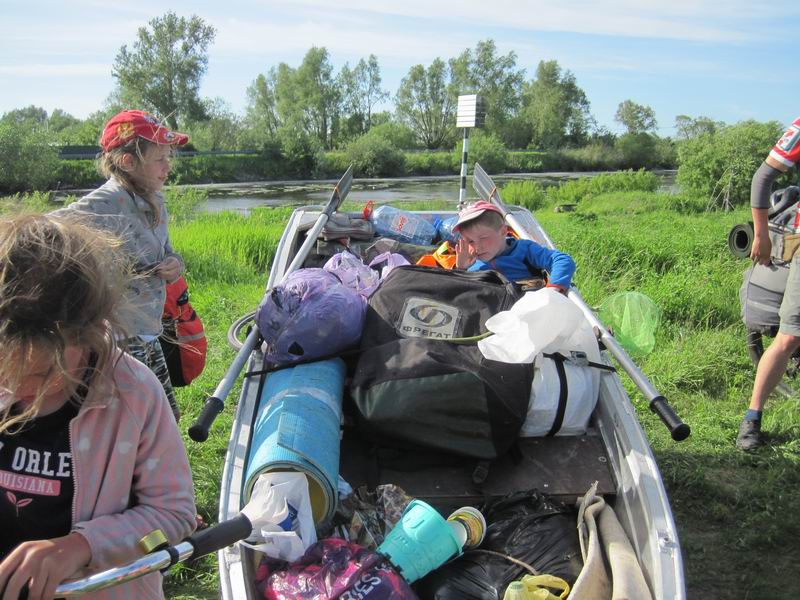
[(735, 512)]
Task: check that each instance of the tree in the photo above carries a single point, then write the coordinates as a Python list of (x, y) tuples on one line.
[(261, 117), (162, 71), (636, 118), (427, 103), (720, 166), (687, 127), (32, 117), (307, 98), (219, 130), (496, 78), (361, 91), (556, 110), (29, 159)]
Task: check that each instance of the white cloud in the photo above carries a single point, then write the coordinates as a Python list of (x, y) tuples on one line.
[(56, 70), (725, 20)]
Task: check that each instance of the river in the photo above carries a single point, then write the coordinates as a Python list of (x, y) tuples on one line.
[(244, 196)]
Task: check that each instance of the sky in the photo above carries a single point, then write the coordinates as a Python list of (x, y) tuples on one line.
[(729, 60)]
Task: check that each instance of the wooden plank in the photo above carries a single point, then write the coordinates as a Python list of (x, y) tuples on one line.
[(559, 466)]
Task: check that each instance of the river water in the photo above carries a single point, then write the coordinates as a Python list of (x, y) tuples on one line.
[(244, 196)]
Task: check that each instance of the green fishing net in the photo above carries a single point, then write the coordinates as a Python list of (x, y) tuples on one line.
[(634, 318)]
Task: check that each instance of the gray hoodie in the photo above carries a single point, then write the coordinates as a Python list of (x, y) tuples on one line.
[(114, 209)]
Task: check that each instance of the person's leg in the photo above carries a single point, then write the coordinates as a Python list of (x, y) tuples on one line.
[(150, 354), (772, 366)]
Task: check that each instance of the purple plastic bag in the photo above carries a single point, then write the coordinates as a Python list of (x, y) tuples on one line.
[(353, 273), (392, 260), (311, 314), (334, 568)]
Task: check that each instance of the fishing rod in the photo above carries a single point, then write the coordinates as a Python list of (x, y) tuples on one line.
[(216, 402), (679, 430)]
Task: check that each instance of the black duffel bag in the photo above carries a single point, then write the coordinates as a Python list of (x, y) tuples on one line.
[(414, 388)]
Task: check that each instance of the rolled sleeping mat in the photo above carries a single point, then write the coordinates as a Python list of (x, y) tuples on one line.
[(740, 240), (297, 430)]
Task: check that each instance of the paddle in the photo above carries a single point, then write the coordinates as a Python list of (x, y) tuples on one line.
[(216, 402), (679, 430)]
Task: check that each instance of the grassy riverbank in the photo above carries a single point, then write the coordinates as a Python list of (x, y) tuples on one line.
[(735, 512)]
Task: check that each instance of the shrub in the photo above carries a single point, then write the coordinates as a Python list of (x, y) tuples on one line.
[(719, 166), (399, 135), (77, 174), (334, 163), (430, 162), (530, 194), (486, 149), (28, 159), (638, 150), (526, 161), (585, 188), (594, 157), (374, 156)]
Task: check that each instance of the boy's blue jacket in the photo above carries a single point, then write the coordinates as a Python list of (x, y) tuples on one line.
[(512, 262)]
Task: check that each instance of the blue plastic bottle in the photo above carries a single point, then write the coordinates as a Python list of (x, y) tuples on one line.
[(446, 232), (402, 225)]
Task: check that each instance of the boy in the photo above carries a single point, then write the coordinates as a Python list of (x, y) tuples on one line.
[(485, 244)]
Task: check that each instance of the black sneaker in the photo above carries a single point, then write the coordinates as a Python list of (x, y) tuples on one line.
[(750, 436)]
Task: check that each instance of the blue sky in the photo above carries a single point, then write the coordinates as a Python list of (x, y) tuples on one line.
[(727, 59)]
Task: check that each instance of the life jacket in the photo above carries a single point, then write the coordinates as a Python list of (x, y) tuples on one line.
[(183, 338)]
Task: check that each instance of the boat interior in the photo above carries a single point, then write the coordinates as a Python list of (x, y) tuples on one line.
[(560, 466)]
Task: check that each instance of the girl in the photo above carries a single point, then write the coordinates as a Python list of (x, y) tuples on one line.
[(90, 456), (136, 161)]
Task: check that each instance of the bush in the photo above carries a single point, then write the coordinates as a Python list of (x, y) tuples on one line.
[(374, 156), (594, 157), (719, 166), (529, 161), (638, 150), (530, 194), (584, 189), (28, 159), (77, 174), (430, 162), (399, 135), (486, 149), (334, 163)]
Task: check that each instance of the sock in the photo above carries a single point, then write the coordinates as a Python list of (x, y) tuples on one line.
[(752, 415)]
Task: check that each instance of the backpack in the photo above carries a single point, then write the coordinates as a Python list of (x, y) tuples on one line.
[(414, 389), (183, 338)]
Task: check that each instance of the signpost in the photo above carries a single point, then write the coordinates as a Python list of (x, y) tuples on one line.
[(471, 113)]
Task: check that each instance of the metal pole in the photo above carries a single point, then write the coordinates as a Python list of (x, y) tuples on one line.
[(462, 194)]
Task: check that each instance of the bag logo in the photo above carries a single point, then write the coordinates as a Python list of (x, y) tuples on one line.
[(425, 318)]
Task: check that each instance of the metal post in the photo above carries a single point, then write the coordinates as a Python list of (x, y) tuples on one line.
[(471, 112), (462, 194)]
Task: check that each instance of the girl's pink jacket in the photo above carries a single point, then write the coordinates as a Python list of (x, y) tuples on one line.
[(130, 471)]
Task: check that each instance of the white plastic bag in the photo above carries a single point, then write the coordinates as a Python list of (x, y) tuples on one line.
[(280, 511), (537, 321)]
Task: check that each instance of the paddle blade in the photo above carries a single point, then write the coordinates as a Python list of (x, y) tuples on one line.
[(486, 188), (340, 191)]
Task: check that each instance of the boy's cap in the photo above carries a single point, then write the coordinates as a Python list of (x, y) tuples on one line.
[(473, 211), (128, 124)]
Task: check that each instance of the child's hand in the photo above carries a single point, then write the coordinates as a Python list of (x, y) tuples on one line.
[(169, 269), (464, 255), (43, 565)]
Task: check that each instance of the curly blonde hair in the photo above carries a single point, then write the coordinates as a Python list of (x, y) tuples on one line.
[(62, 285)]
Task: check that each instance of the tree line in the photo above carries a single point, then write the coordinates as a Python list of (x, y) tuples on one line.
[(162, 69), (297, 113)]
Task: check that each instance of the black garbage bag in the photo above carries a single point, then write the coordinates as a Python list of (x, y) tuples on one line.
[(527, 526)]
